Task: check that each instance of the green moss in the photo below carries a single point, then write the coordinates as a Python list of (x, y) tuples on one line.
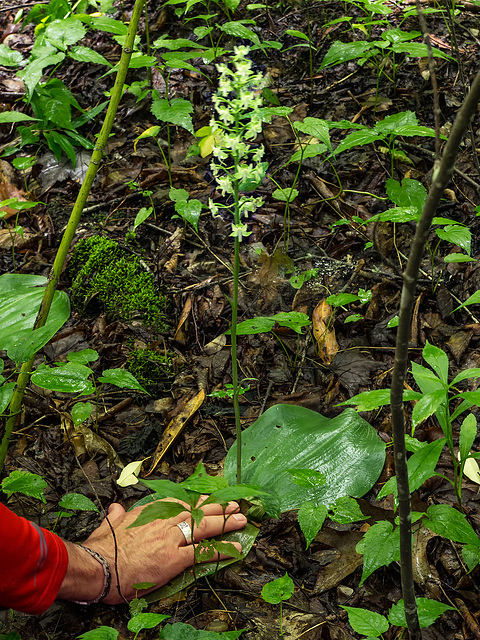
[(150, 367), (101, 270)]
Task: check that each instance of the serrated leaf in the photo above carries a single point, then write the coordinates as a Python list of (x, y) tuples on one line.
[(316, 128), (311, 518), (77, 502), (85, 54), (160, 510), (121, 378), (177, 111), (427, 405), (421, 467), (65, 32), (346, 510), (427, 610), (446, 521), (10, 57), (368, 623), (277, 590), (380, 546), (30, 484)]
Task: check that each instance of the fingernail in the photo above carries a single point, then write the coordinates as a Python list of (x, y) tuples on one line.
[(239, 516)]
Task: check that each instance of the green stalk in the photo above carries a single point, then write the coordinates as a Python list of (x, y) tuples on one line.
[(236, 405), (54, 276)]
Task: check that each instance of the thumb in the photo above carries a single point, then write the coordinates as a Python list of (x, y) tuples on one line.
[(115, 512)]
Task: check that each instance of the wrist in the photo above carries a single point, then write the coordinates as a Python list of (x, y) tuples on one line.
[(88, 576)]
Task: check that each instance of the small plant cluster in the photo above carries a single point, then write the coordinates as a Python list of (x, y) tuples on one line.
[(101, 270)]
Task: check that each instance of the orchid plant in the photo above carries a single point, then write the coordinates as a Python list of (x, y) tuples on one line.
[(238, 169)]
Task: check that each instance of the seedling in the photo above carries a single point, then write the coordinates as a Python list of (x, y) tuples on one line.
[(276, 592)]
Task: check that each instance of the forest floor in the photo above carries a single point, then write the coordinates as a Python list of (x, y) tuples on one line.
[(192, 270)]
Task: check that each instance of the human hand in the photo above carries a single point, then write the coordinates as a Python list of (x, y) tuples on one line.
[(155, 552)]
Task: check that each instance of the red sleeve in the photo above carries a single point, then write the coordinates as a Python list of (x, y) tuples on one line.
[(33, 563)]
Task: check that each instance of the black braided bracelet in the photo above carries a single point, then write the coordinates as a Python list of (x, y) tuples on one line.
[(107, 582)]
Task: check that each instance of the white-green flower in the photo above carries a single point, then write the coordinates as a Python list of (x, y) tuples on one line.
[(240, 231)]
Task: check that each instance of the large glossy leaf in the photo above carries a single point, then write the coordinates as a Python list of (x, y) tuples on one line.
[(20, 297), (345, 449)]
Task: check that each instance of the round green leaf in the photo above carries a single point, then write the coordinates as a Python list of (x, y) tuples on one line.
[(346, 449), (145, 621), (277, 590)]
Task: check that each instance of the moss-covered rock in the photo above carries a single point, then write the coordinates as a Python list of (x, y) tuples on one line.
[(101, 270)]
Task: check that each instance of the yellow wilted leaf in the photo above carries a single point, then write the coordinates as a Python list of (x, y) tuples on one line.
[(128, 477), (151, 132), (471, 469)]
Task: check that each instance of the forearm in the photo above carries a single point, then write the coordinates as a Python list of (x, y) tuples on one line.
[(85, 579)]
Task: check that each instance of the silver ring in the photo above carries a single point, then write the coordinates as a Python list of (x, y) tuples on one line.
[(186, 530)]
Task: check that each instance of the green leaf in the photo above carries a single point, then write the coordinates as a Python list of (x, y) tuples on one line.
[(71, 378), (340, 299), (285, 195), (411, 193), (121, 378), (145, 621), (85, 54), (167, 489), (341, 52), (63, 33), (100, 633), (81, 412), (201, 482), (83, 357), (239, 30), (297, 34), (358, 139), (371, 400), (437, 359), (468, 433), (33, 72), (418, 50), (380, 546), (428, 611), (355, 317), (160, 510), (277, 590), (292, 319), (458, 235), (182, 631), (308, 151), (458, 257), (14, 116), (77, 502), (110, 25), (237, 492), (10, 57), (311, 518), (307, 477), (421, 467), (446, 521), (346, 510), (464, 375), (6, 394), (142, 215), (471, 556), (428, 405), (316, 128), (288, 435), (190, 211), (260, 324), (366, 622), (178, 195), (473, 299), (177, 111), (30, 484)]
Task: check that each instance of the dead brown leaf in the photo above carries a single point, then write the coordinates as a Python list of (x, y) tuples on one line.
[(324, 332)]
